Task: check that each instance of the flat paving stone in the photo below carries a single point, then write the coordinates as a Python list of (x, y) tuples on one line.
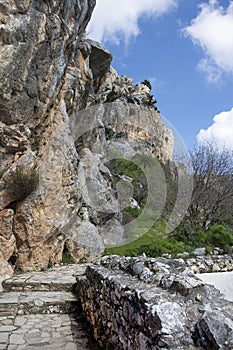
[(4, 337), (17, 339), (55, 338)]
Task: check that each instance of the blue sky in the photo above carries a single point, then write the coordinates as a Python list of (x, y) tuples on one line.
[(185, 48)]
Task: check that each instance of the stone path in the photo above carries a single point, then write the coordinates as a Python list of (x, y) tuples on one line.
[(39, 311), (223, 281)]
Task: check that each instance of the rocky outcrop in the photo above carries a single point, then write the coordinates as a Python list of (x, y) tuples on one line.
[(54, 82), (38, 40), (39, 45), (142, 303)]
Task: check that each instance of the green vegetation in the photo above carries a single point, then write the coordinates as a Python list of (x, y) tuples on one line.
[(217, 236), (208, 221), (66, 259), (133, 170), (156, 242), (130, 213), (220, 236), (22, 183), (109, 133)]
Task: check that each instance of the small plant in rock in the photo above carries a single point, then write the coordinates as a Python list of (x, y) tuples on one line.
[(66, 259), (2, 171), (22, 183), (147, 83)]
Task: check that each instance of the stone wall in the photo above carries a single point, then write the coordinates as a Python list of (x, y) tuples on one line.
[(144, 303), (210, 263)]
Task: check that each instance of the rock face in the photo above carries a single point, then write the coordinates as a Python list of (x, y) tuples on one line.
[(53, 83), (142, 303), (7, 243)]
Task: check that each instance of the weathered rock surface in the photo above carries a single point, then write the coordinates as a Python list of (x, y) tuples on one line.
[(7, 243), (37, 39), (51, 77), (142, 303), (39, 44)]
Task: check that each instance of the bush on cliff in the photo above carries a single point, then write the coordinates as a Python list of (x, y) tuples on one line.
[(22, 183)]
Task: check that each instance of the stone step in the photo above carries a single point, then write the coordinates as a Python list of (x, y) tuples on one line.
[(25, 303), (60, 278), (38, 311)]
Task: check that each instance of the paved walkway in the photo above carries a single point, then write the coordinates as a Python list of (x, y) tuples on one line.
[(39, 311), (223, 281)]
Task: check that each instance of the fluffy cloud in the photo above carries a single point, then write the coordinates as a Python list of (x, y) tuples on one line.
[(212, 30), (220, 131), (118, 20)]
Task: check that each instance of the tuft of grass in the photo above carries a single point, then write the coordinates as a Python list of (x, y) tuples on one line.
[(22, 183)]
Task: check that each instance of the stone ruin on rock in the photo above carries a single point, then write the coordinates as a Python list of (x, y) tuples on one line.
[(144, 304), (50, 73)]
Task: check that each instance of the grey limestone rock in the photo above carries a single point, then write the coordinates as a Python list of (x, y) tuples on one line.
[(199, 251)]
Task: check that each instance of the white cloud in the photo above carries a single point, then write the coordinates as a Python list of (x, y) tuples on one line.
[(212, 30), (220, 131), (117, 20), (213, 73)]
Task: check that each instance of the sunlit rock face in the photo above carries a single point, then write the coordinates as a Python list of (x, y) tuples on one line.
[(50, 74)]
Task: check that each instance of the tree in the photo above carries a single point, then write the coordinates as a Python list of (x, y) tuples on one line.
[(212, 198)]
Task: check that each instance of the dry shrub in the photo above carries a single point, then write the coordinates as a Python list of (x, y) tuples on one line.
[(21, 183)]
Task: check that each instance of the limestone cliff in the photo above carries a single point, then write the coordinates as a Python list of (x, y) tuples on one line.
[(61, 108)]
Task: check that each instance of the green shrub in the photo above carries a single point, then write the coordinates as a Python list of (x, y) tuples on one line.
[(217, 236), (22, 183), (220, 236), (161, 246)]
